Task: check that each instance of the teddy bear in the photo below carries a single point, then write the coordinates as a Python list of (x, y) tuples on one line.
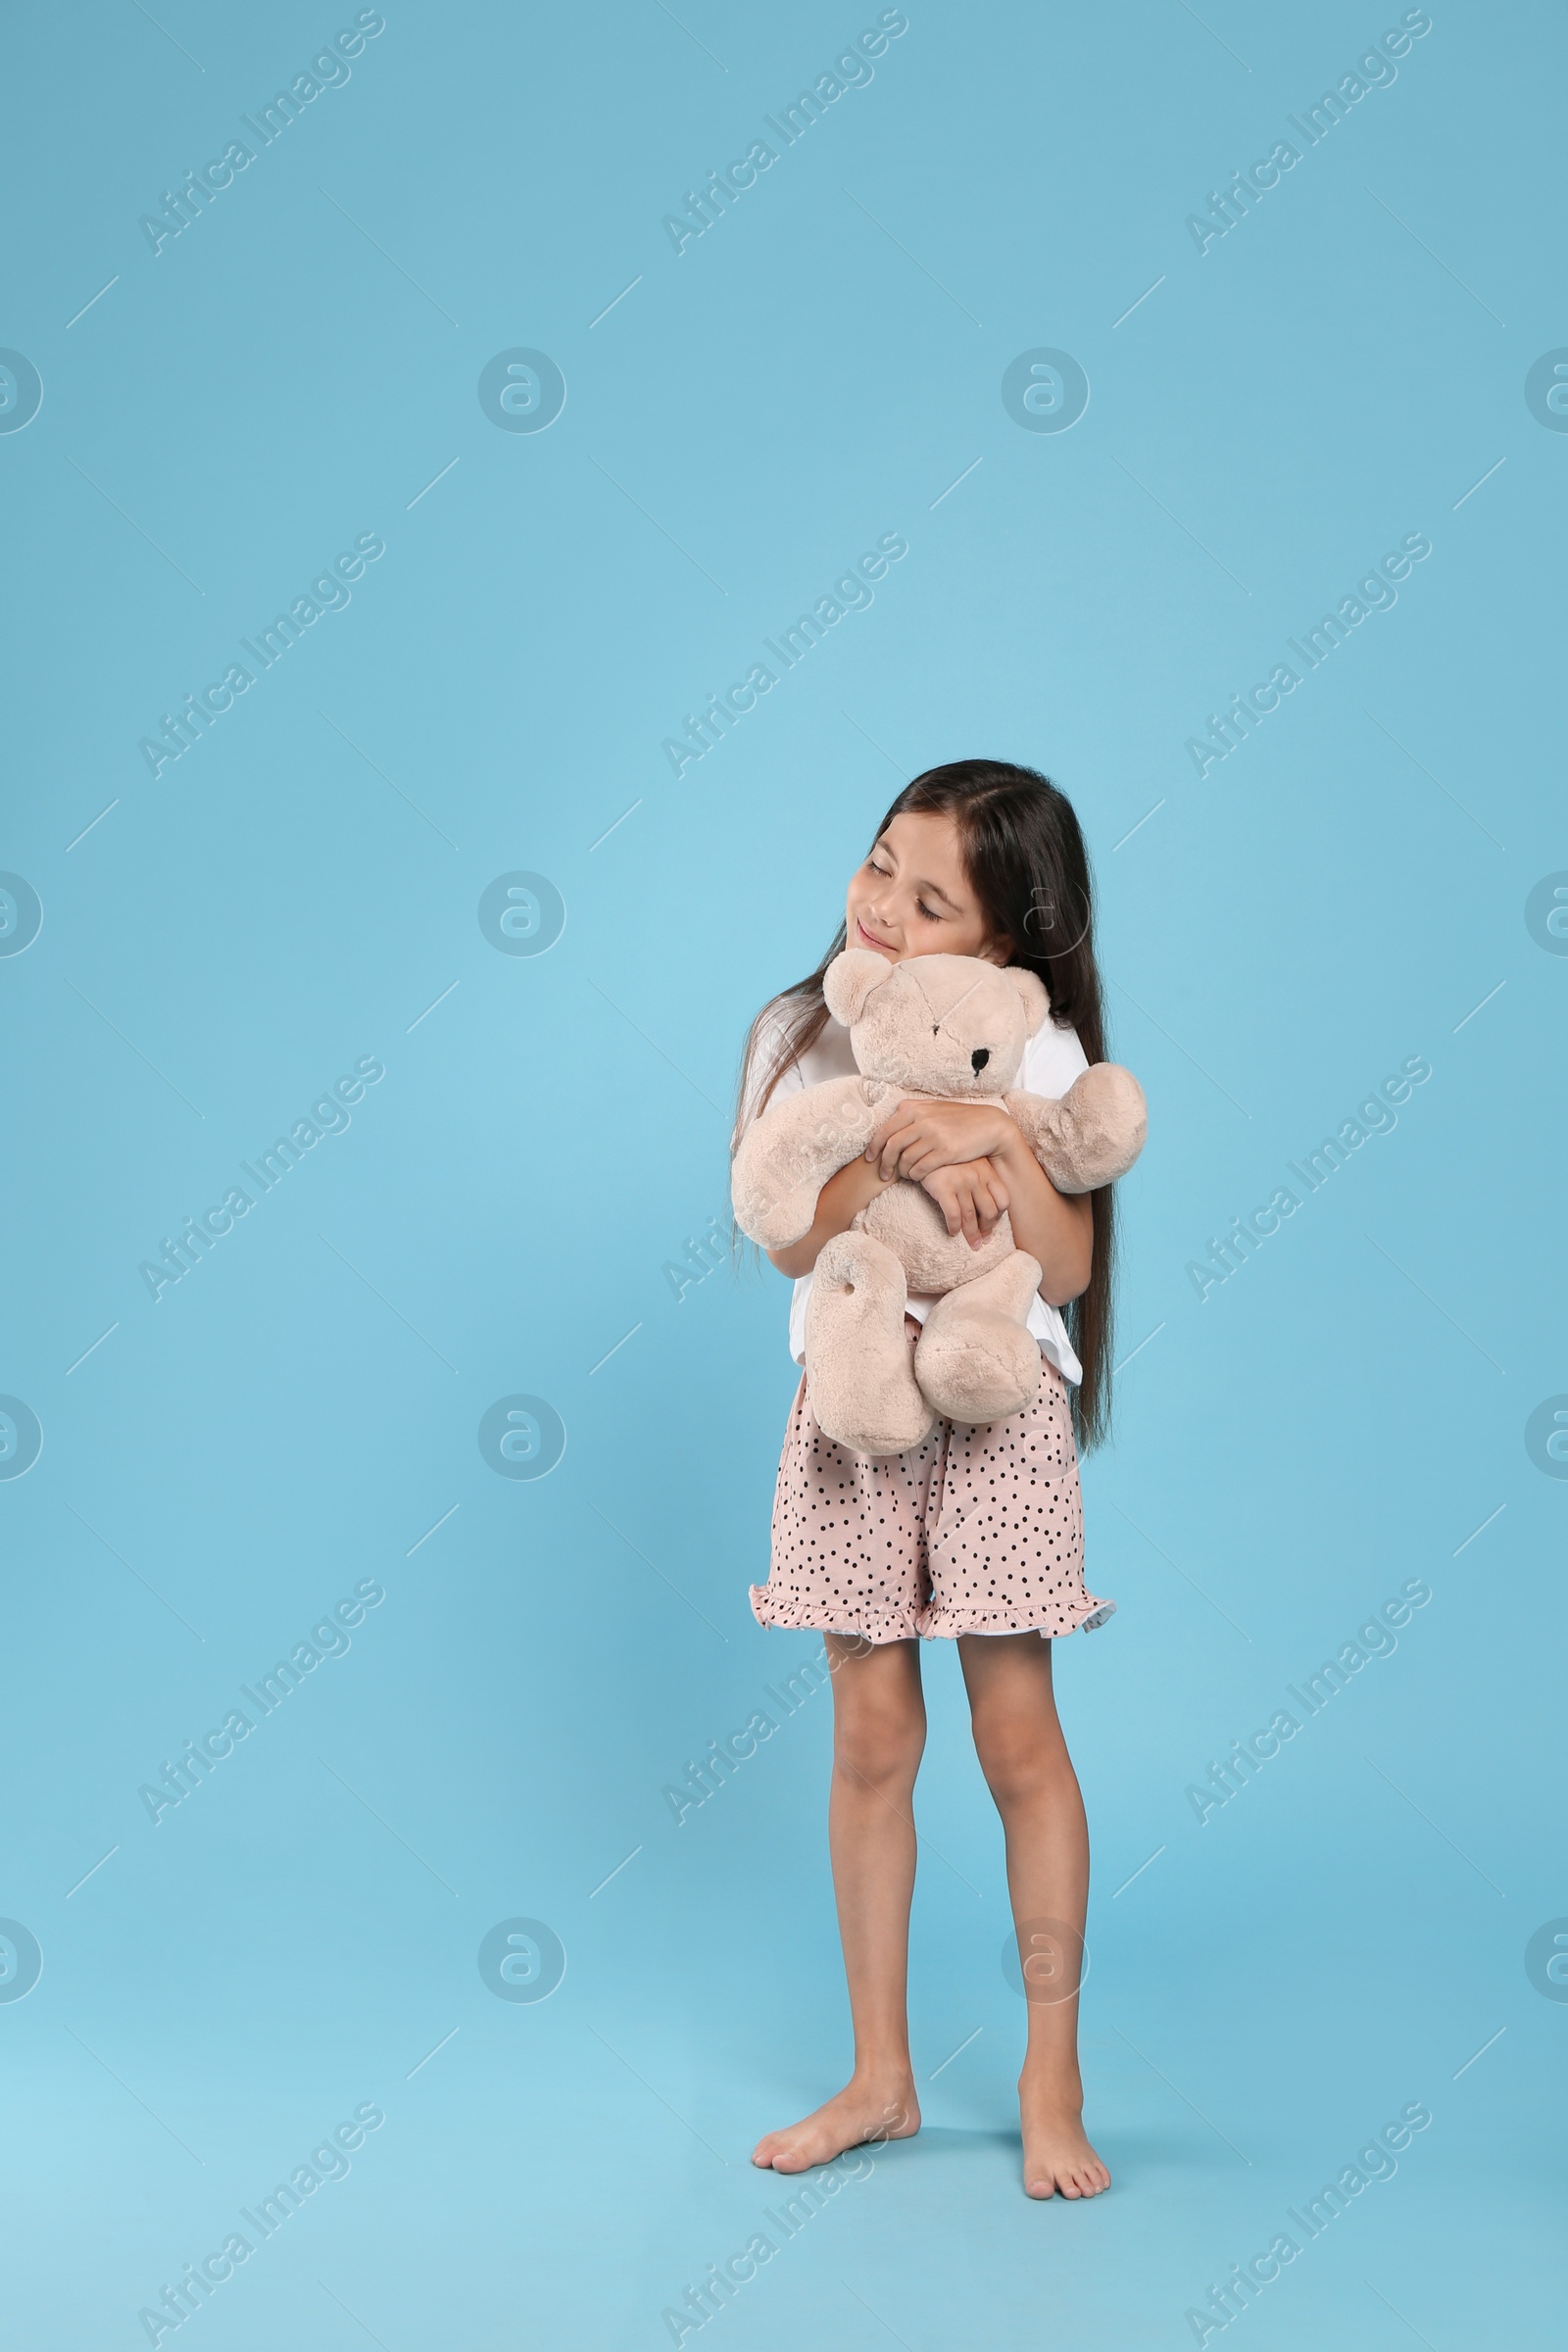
[(945, 1028)]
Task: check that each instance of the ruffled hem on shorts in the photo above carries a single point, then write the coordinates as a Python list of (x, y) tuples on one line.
[(926, 1624), (947, 1624), (882, 1625)]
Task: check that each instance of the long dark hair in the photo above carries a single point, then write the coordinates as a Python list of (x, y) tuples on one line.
[(1024, 855)]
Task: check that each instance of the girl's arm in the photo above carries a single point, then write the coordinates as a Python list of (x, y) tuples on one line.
[(838, 1205), (971, 1198), (1056, 1229)]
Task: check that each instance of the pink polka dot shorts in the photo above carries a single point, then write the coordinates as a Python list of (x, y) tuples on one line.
[(974, 1531)]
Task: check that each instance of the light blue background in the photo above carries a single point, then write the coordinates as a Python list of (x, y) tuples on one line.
[(1342, 892)]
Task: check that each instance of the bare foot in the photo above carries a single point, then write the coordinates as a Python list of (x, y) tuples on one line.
[(1058, 2159), (864, 2109)]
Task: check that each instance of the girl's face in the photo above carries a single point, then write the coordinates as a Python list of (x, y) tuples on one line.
[(912, 896)]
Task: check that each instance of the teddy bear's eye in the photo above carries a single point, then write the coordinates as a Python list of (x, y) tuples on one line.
[(979, 1057)]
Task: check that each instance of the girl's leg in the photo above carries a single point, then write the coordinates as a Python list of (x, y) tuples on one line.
[(1024, 1757), (878, 1733)]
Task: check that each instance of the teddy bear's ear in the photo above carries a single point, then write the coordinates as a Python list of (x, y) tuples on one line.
[(1036, 1003), (850, 982)]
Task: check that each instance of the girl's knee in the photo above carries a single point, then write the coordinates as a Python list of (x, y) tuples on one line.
[(880, 1742), (1022, 1758)]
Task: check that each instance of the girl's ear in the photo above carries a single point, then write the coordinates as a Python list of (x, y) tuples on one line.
[(852, 980), (1031, 988)]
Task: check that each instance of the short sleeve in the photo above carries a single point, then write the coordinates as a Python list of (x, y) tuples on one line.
[(1051, 1059)]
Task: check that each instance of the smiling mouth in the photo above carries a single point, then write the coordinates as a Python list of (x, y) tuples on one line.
[(880, 944)]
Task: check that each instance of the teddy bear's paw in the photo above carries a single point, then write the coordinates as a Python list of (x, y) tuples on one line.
[(985, 1373), (1093, 1134), (977, 1360), (859, 1383)]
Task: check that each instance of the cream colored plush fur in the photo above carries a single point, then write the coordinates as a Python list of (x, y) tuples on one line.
[(947, 1028)]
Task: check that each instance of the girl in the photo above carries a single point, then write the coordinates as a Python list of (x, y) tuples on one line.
[(976, 1534)]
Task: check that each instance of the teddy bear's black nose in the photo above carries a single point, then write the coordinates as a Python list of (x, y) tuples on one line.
[(978, 1058)]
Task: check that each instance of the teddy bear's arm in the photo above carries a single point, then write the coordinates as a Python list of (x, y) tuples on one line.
[(1093, 1135), (787, 1155)]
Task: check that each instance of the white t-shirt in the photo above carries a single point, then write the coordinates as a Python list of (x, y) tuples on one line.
[(1052, 1058)]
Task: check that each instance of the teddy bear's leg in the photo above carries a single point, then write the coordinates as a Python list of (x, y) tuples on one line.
[(858, 1377), (976, 1361)]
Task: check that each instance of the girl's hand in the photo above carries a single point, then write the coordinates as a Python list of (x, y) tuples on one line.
[(971, 1196), (918, 1138)]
